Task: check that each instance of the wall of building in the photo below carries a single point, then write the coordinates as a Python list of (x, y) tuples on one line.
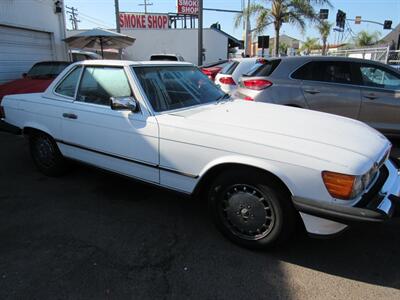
[(36, 15), (179, 41)]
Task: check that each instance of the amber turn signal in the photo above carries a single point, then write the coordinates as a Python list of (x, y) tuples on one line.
[(339, 185)]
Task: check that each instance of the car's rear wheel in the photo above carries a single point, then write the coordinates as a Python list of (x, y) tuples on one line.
[(46, 155), (251, 209)]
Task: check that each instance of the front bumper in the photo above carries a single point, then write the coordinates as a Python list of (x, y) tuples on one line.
[(377, 205)]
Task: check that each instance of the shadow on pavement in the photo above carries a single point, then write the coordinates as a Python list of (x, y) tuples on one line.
[(93, 235)]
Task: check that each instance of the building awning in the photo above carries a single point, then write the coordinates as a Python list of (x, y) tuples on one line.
[(232, 41)]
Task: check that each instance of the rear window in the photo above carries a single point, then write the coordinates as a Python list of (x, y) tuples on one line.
[(229, 68), (164, 58), (263, 68)]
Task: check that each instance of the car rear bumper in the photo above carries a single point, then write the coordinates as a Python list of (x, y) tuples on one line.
[(5, 127), (379, 204)]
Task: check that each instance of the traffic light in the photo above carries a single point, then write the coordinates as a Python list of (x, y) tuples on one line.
[(387, 24), (340, 19)]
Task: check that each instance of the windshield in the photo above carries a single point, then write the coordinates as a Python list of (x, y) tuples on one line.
[(47, 69), (173, 87)]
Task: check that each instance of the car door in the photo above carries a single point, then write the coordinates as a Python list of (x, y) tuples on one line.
[(380, 97), (120, 141), (330, 86)]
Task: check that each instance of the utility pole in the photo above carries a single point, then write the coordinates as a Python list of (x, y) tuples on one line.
[(200, 35), (145, 4), (73, 17), (246, 29), (117, 24), (117, 16)]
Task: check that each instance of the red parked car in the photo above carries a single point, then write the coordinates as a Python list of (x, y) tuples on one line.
[(211, 70), (36, 80)]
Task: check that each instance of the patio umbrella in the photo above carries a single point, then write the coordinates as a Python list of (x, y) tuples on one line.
[(99, 39)]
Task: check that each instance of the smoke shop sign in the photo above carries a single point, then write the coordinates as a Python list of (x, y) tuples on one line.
[(188, 7), (143, 21)]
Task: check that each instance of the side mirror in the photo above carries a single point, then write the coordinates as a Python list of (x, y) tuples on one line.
[(124, 103), (24, 75)]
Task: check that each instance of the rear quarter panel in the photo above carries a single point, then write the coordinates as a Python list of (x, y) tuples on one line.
[(34, 110)]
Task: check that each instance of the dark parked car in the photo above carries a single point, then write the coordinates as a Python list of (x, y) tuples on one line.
[(365, 90), (212, 69), (166, 57), (36, 80)]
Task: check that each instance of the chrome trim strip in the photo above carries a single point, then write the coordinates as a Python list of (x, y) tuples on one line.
[(157, 166)]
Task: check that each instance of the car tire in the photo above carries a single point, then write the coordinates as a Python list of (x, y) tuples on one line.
[(251, 209), (46, 155)]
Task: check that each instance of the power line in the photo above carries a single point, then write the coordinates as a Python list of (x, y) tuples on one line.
[(96, 23), (94, 20)]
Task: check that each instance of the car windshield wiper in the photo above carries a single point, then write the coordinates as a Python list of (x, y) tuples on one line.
[(223, 97)]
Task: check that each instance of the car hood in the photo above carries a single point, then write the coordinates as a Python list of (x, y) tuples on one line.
[(24, 86), (309, 133)]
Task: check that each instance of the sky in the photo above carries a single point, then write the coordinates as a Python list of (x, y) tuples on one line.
[(101, 13)]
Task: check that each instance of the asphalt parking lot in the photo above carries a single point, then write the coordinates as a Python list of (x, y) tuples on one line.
[(93, 235)]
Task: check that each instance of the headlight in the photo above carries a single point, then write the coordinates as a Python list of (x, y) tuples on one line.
[(346, 187)]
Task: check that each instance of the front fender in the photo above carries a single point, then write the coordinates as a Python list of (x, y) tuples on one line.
[(276, 168)]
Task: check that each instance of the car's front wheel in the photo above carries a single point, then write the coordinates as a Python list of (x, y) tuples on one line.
[(46, 155), (251, 209)]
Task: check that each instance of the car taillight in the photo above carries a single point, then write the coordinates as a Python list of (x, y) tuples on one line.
[(227, 80), (2, 113), (257, 84), (247, 98)]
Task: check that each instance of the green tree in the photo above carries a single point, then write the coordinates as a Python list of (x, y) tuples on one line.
[(283, 48), (310, 44), (295, 12), (324, 28), (365, 38)]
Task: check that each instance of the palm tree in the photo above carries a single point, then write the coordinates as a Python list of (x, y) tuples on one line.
[(310, 44), (241, 18), (294, 12), (283, 47), (364, 38), (324, 28)]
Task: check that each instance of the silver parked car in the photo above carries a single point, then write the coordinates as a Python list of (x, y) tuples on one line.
[(360, 89)]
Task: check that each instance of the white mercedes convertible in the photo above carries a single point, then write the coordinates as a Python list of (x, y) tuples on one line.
[(264, 169)]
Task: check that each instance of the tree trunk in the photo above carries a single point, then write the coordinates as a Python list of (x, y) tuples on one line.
[(276, 44), (323, 46)]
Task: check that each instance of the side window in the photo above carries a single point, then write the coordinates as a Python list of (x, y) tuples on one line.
[(375, 76), (68, 85), (326, 71), (333, 71), (98, 84)]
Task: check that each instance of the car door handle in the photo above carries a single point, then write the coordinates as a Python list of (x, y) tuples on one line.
[(312, 92), (70, 116), (371, 96)]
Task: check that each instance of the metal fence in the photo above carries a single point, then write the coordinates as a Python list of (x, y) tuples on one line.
[(383, 54)]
